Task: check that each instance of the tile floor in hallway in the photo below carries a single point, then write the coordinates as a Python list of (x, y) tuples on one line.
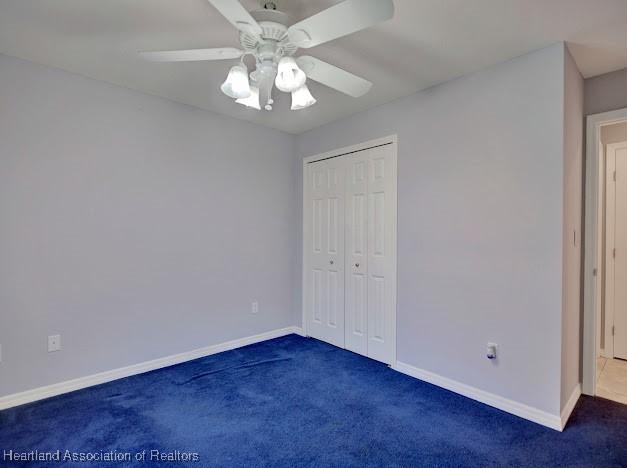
[(612, 379)]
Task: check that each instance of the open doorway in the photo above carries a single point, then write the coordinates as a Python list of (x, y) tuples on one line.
[(605, 288)]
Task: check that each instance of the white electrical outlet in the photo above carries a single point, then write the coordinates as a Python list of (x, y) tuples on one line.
[(254, 307), (54, 343), (491, 350)]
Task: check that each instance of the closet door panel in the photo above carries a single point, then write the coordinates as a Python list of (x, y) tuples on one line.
[(318, 287), (325, 295), (381, 263), (357, 253)]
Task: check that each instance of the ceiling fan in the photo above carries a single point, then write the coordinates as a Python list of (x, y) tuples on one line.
[(265, 35)]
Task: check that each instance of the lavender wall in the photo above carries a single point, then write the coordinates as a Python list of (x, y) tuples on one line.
[(133, 226), (480, 187), (606, 92)]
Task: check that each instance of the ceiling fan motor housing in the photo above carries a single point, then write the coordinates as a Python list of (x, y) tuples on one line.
[(274, 26)]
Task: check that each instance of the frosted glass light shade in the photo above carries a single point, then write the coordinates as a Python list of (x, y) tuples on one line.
[(236, 85), (302, 98), (251, 101), (289, 76)]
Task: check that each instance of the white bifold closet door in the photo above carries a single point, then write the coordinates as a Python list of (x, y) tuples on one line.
[(350, 272), (326, 247)]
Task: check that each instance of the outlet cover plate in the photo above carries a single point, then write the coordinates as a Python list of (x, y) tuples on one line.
[(54, 343)]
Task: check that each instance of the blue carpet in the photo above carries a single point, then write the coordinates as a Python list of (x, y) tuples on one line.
[(299, 402)]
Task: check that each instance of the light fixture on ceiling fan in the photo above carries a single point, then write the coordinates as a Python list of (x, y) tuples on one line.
[(265, 35)]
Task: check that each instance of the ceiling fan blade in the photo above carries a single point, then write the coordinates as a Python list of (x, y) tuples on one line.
[(333, 77), (192, 55), (237, 15), (339, 20)]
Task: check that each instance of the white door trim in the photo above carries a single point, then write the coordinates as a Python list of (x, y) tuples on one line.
[(387, 140), (592, 253)]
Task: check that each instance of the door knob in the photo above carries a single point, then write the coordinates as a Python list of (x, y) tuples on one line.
[(357, 265), (331, 262)]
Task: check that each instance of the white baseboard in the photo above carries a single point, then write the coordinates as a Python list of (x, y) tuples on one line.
[(519, 409), (40, 393), (510, 406), (570, 405)]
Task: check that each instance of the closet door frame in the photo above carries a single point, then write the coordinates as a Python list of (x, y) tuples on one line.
[(392, 141)]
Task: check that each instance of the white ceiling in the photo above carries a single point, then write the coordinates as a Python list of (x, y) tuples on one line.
[(427, 42)]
